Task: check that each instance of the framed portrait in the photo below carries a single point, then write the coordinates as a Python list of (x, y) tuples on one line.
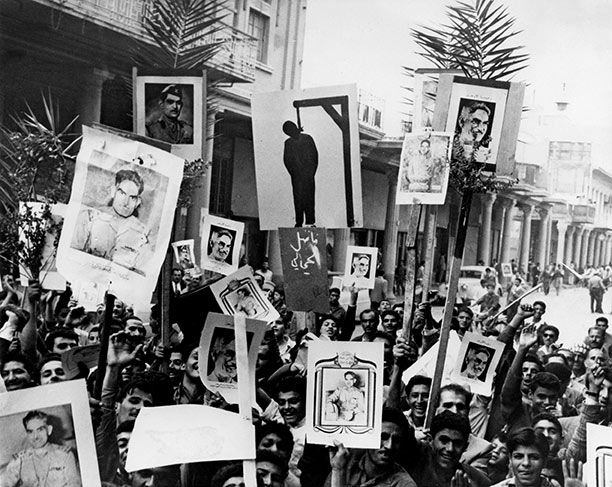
[(54, 418), (218, 358), (49, 276), (360, 267), (239, 293), (484, 116), (424, 168), (119, 219), (477, 362), (170, 109), (184, 256), (344, 393), (304, 261), (221, 242), (506, 269), (307, 159)]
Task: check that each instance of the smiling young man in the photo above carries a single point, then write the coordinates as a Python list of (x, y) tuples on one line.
[(417, 396)]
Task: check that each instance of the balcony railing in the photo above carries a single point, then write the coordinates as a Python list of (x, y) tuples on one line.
[(236, 58), (583, 214), (532, 175)]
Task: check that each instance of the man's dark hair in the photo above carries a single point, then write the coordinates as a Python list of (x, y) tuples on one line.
[(417, 380), (13, 356), (533, 359), (552, 328), (466, 310), (457, 389), (397, 417), (540, 303), (34, 414), (560, 371), (334, 290), (126, 427), (390, 312), (451, 421), (279, 429), (130, 175), (268, 456), (225, 473), (60, 333), (545, 380), (599, 330), (603, 319), (170, 90), (528, 437), (154, 383), (291, 384), (186, 349), (369, 310), (50, 357), (547, 417)]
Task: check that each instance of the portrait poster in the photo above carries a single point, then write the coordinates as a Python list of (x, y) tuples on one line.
[(90, 295), (360, 267), (424, 168), (304, 261), (598, 466), (119, 219), (307, 158), (477, 362), (188, 433), (60, 414), (169, 108), (49, 276), (218, 358), (476, 116), (344, 392), (240, 293), (506, 269), (184, 256), (221, 242)]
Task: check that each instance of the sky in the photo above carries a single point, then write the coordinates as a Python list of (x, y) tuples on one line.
[(368, 41)]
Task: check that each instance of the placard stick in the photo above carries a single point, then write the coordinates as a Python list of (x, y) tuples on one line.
[(164, 283), (414, 218), (531, 291), (109, 303), (451, 297), (579, 276), (430, 238)]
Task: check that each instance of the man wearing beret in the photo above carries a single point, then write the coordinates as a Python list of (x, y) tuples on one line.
[(168, 127)]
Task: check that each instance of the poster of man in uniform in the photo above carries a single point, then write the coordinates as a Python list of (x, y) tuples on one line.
[(221, 240), (360, 267), (344, 391), (304, 261), (476, 115), (476, 362), (184, 256), (424, 168), (120, 215), (219, 367), (239, 293), (47, 437), (307, 160), (49, 277), (170, 109)]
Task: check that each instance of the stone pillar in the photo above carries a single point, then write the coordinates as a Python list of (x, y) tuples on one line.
[(569, 245), (484, 248), (549, 240), (598, 241), (342, 239), (390, 238), (606, 254), (591, 250), (90, 102), (561, 229), (525, 235), (578, 246), (507, 232), (543, 241), (586, 239)]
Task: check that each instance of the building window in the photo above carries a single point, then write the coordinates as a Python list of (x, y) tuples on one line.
[(259, 27)]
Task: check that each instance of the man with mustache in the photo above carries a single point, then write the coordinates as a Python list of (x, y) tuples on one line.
[(169, 127), (17, 372), (51, 369), (220, 245)]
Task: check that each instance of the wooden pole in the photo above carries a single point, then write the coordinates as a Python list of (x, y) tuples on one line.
[(430, 239), (109, 303), (451, 297), (164, 304), (414, 217)]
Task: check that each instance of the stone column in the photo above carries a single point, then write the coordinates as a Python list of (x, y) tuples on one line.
[(342, 239), (507, 232), (585, 247), (525, 235), (90, 102), (561, 229), (577, 245), (606, 255), (484, 248), (591, 250), (543, 241), (390, 238), (598, 245), (569, 245)]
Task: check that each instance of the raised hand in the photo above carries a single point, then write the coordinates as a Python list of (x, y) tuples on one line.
[(338, 456), (120, 351), (460, 479), (529, 336), (572, 473)]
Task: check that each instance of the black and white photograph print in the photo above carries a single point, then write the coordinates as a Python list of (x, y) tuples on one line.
[(424, 168), (119, 219), (477, 362), (476, 115), (239, 293), (360, 267), (169, 109), (221, 241), (184, 256), (307, 162), (344, 393), (47, 437)]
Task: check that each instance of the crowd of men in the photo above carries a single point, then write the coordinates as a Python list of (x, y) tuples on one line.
[(530, 432)]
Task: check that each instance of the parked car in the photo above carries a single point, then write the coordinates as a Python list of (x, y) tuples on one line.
[(469, 287)]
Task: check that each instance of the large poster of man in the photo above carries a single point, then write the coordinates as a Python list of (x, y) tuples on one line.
[(170, 109), (476, 115), (344, 392), (424, 168), (221, 240), (47, 437), (304, 261), (307, 158), (119, 219)]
